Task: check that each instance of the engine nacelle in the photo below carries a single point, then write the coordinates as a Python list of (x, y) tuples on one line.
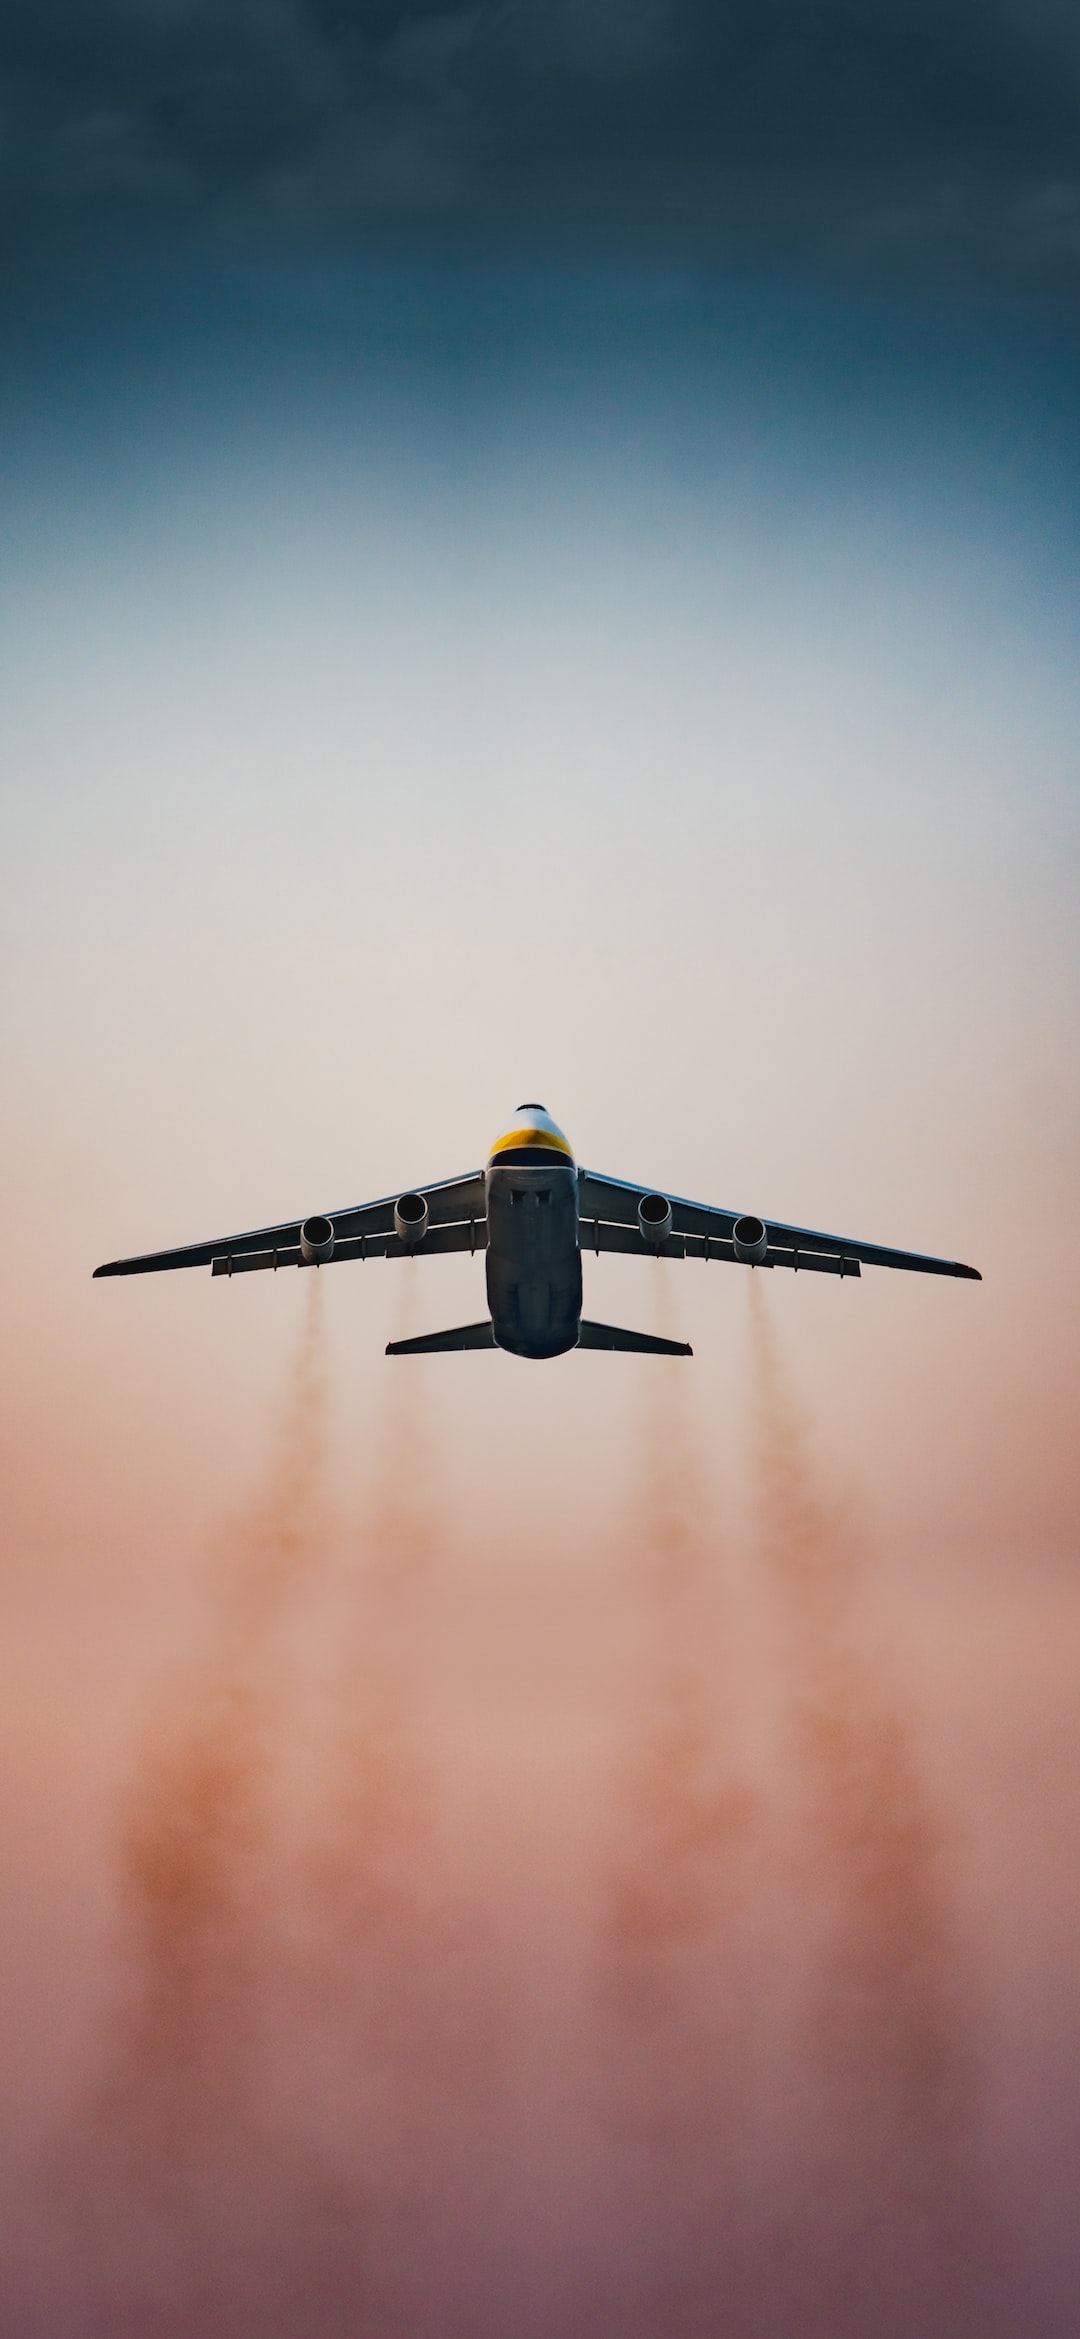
[(316, 1241), (751, 1240), (410, 1219), (654, 1220)]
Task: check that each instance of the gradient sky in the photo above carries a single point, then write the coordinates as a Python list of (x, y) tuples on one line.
[(539, 556)]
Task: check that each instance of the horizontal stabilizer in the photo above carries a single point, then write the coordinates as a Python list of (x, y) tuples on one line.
[(436, 1343), (643, 1343)]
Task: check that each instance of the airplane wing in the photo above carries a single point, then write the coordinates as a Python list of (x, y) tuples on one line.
[(608, 1209), (446, 1217)]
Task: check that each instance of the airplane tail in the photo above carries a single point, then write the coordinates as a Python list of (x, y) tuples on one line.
[(643, 1343), (436, 1343), (590, 1336)]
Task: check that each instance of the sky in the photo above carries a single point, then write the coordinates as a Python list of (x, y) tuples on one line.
[(539, 557)]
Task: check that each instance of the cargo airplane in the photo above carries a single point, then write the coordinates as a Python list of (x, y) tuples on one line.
[(533, 1212)]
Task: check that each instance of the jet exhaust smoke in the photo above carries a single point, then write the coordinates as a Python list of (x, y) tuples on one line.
[(674, 1985), (302, 2013), (208, 2213), (370, 1863), (396, 2013), (888, 2233), (323, 2111), (195, 1846)]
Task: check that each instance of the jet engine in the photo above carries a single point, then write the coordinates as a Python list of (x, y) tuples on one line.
[(410, 1219), (654, 1220), (751, 1241), (316, 1241)]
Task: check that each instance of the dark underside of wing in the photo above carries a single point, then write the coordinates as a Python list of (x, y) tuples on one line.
[(455, 1222), (610, 1222)]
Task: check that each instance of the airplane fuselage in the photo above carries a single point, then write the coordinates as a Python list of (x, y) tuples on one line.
[(533, 1256)]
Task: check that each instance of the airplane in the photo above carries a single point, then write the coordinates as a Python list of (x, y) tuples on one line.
[(533, 1212)]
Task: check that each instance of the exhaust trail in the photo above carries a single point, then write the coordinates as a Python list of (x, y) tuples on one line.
[(195, 1850), (885, 2230), (674, 1984), (395, 1965), (379, 1793), (208, 2216)]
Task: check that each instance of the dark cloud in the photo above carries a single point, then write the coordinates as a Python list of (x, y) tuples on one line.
[(869, 138)]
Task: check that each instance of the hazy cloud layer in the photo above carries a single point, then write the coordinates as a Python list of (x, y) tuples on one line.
[(936, 142)]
